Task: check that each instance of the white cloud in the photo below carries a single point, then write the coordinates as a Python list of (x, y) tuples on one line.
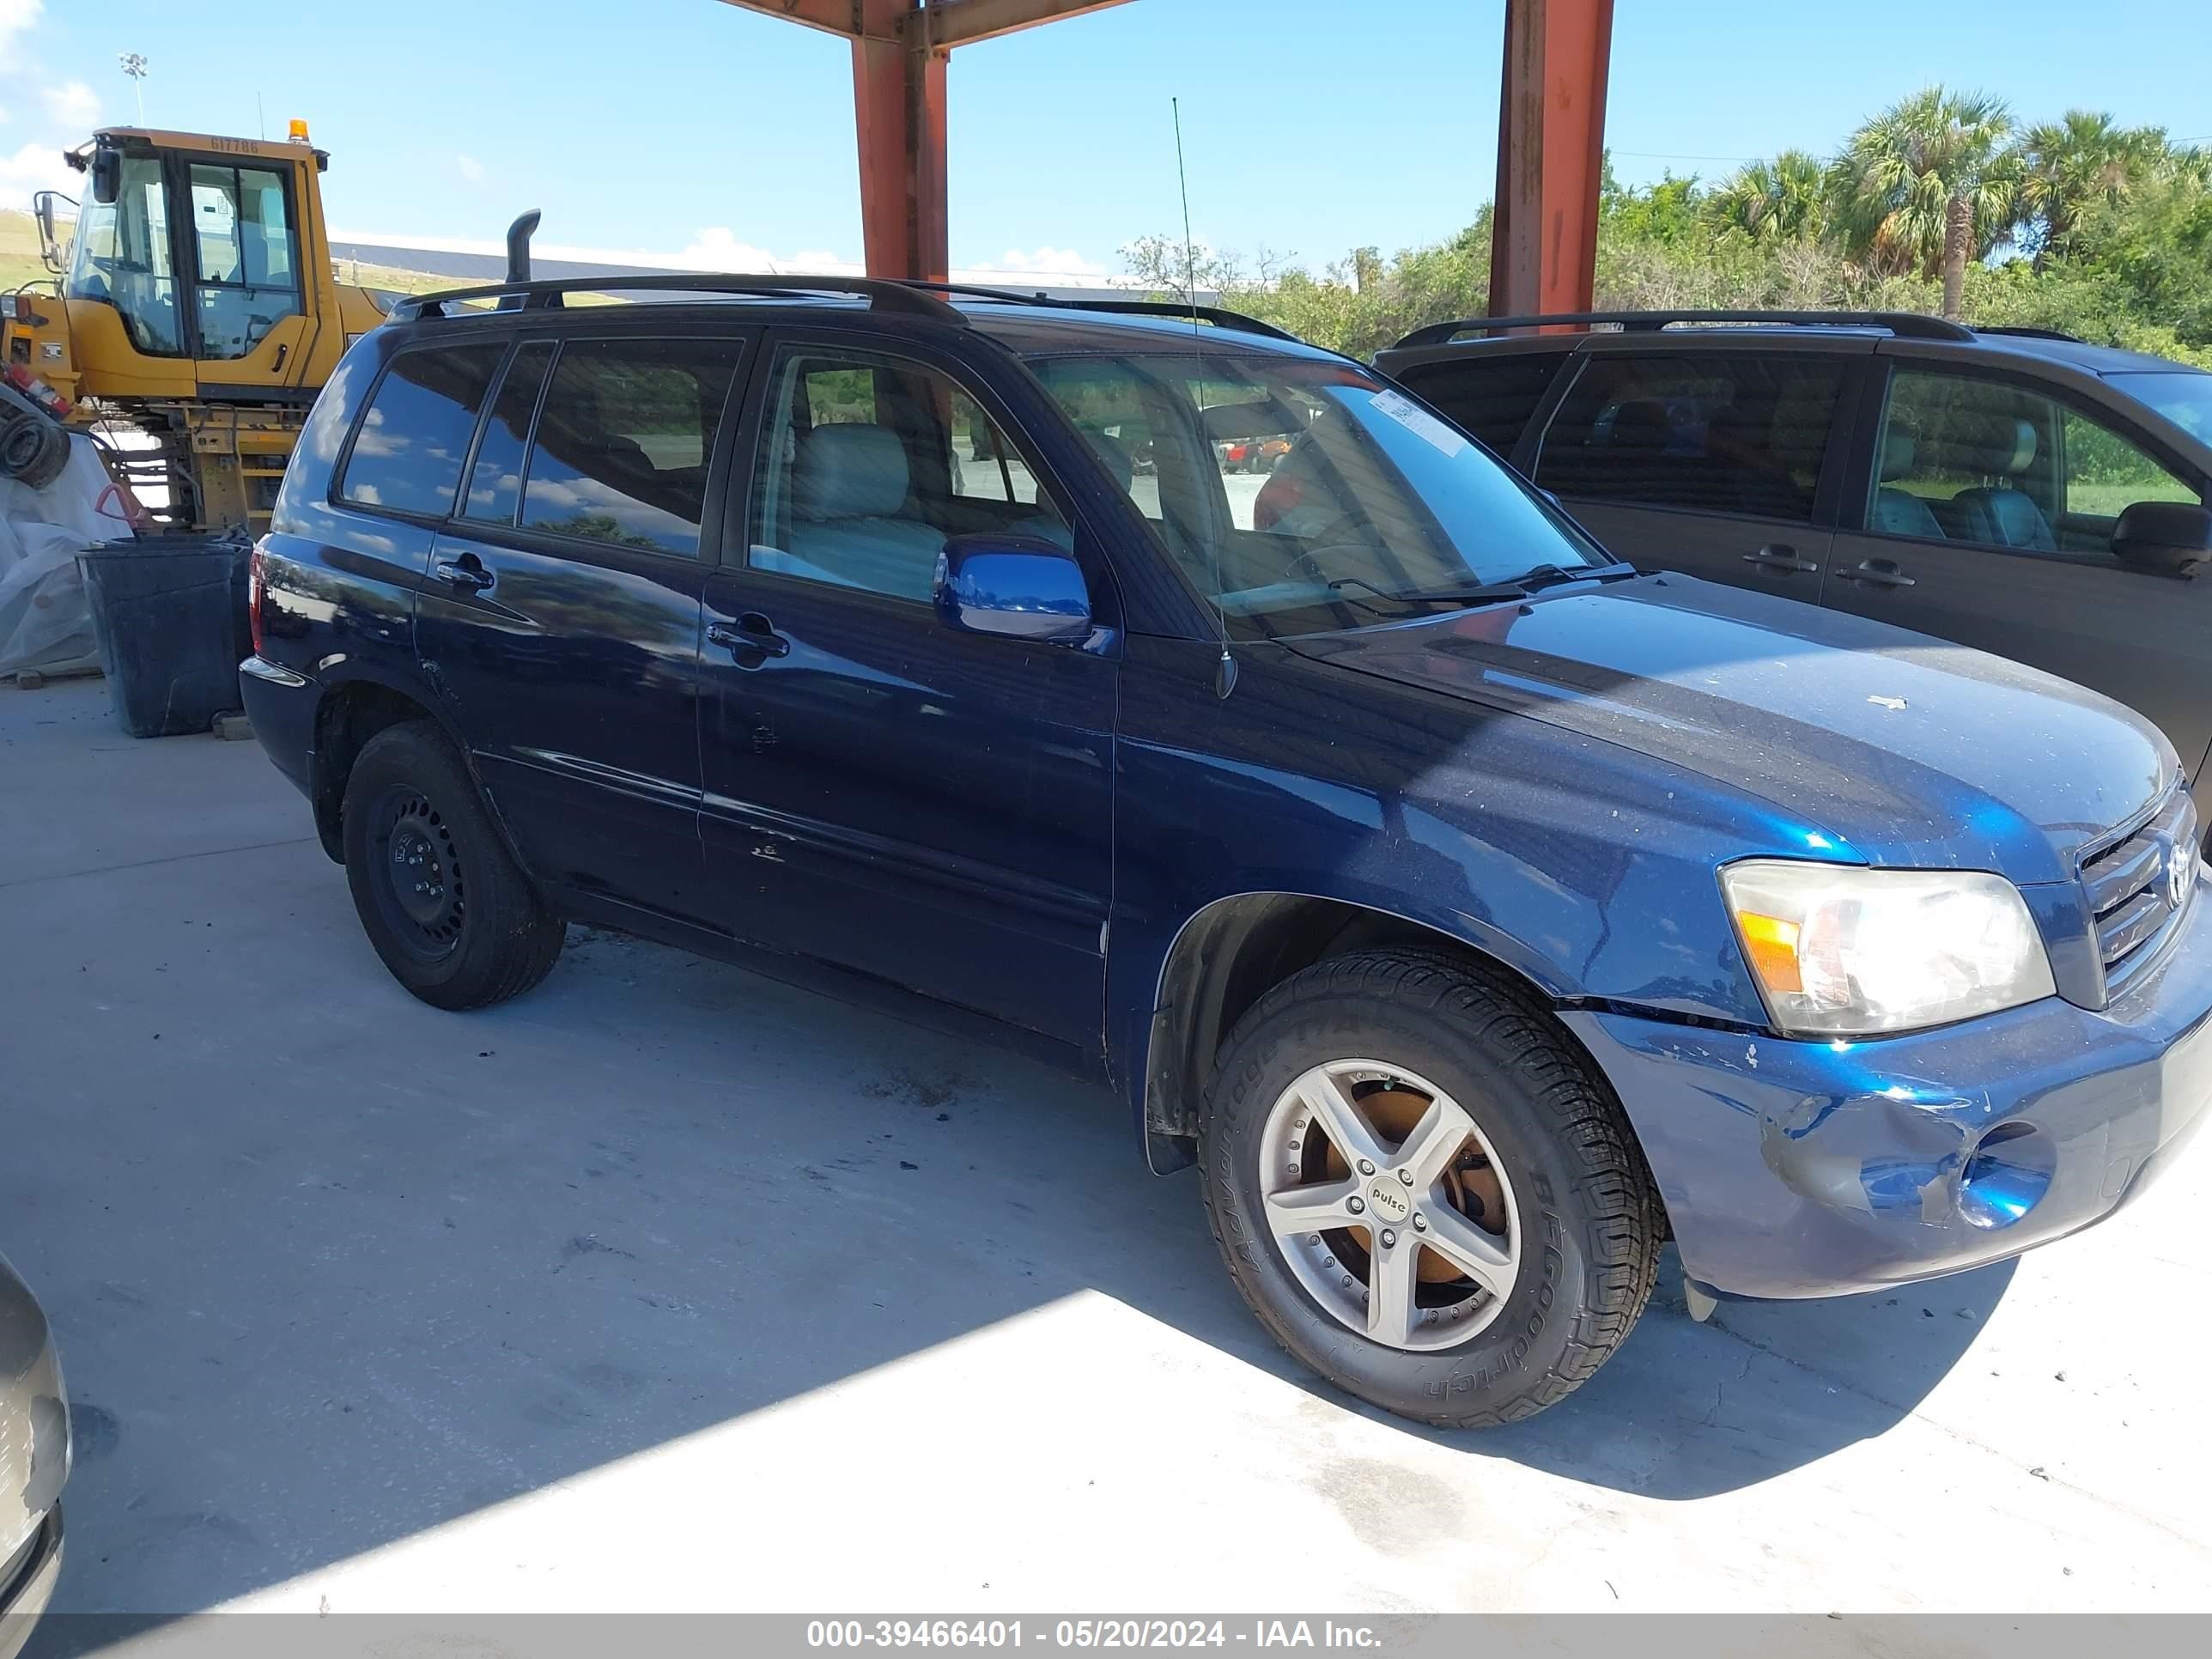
[(35, 168), (1058, 261), (717, 248), (16, 16), (471, 169), (73, 107)]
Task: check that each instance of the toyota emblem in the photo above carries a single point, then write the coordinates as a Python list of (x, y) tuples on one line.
[(2179, 875)]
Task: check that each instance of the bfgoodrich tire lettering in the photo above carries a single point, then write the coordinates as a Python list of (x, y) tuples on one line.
[(1585, 1228), (447, 910)]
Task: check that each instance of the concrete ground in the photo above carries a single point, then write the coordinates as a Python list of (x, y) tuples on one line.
[(669, 1287)]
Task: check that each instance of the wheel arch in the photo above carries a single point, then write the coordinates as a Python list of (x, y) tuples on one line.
[(350, 713), (1228, 954)]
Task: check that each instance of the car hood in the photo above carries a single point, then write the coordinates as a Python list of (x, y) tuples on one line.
[(1889, 746)]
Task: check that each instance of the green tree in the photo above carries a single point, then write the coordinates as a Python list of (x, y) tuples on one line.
[(1931, 184), (1785, 199), (2072, 164)]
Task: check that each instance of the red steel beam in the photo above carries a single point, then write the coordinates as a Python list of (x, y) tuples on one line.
[(964, 22), (900, 48), (1550, 155)]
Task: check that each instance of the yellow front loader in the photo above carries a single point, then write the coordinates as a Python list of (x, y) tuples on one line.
[(192, 318)]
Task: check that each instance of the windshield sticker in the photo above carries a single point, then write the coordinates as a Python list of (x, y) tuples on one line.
[(1417, 421)]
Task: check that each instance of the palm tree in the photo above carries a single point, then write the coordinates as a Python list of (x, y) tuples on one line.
[(2068, 165), (1931, 182), (1785, 199)]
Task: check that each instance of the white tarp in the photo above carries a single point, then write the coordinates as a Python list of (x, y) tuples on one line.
[(45, 624)]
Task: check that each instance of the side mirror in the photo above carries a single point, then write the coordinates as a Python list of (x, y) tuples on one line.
[(2168, 537), (1022, 587), (49, 245), (106, 175)]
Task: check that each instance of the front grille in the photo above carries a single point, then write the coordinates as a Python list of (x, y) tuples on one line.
[(2130, 884)]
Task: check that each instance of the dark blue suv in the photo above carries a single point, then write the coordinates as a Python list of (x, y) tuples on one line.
[(1477, 912)]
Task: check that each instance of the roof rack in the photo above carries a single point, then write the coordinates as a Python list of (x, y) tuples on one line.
[(543, 295), (2023, 331), (1219, 316), (1912, 324)]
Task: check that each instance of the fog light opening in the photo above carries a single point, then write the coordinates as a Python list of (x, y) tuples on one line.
[(2007, 1176)]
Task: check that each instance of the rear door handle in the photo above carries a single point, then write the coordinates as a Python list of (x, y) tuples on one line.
[(1780, 557), (1877, 573), (466, 572), (752, 633)]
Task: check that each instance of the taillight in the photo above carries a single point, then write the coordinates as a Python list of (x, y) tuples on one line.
[(257, 580)]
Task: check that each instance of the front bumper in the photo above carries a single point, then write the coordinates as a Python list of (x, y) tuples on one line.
[(25, 1596), (1796, 1168)]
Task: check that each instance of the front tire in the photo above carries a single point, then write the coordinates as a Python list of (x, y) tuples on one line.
[(443, 901), (1424, 1189)]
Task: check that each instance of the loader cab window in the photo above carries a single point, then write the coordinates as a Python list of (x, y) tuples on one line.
[(121, 258), (249, 274)]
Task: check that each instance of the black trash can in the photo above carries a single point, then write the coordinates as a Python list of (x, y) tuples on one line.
[(169, 613)]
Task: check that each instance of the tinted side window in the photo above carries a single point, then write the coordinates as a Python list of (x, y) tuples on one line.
[(1997, 464), (496, 481), (624, 440), (1492, 397), (1730, 432), (408, 451)]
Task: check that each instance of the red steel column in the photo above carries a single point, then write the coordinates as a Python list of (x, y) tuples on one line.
[(1550, 155), (898, 107)]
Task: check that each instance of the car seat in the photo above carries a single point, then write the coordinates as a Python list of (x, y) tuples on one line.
[(2004, 515), (1900, 512), (849, 487)]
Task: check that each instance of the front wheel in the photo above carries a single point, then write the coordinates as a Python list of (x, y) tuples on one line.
[(1423, 1191), (443, 901)]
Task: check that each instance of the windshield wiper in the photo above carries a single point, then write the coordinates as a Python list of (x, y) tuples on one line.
[(1551, 575), (1487, 593)]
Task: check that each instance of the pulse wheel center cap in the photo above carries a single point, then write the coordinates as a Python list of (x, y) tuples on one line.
[(1390, 1201)]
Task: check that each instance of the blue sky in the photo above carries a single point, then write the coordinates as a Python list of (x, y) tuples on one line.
[(1309, 125)]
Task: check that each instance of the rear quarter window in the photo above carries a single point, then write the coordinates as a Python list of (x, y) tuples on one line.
[(1493, 398), (409, 450)]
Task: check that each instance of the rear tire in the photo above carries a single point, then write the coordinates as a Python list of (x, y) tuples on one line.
[(1544, 1201), (441, 899)]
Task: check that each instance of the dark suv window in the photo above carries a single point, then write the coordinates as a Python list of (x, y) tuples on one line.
[(408, 454), (1711, 433), (495, 480), (623, 441), (1492, 397)]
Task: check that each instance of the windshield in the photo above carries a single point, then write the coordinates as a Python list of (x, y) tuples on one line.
[(121, 258), (2184, 398), (1301, 496)]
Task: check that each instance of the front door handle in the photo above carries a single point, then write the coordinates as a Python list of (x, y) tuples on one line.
[(1877, 572), (466, 573), (1778, 556), (752, 634)]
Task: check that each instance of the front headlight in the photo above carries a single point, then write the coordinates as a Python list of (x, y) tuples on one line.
[(1839, 951)]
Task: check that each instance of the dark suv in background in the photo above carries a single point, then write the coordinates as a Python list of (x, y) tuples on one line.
[(2017, 491), (1475, 911)]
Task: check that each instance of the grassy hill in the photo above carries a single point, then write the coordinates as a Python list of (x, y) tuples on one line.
[(19, 264)]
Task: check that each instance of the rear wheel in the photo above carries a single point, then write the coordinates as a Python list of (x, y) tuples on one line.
[(445, 906), (1424, 1192)]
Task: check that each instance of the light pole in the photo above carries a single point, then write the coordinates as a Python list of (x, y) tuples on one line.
[(134, 65)]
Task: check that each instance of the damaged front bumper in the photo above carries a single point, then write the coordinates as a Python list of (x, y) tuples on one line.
[(1799, 1169)]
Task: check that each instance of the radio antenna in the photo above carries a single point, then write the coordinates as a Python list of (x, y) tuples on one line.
[(1190, 248), (1224, 673)]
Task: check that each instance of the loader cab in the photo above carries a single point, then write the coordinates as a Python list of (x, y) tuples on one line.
[(200, 269)]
